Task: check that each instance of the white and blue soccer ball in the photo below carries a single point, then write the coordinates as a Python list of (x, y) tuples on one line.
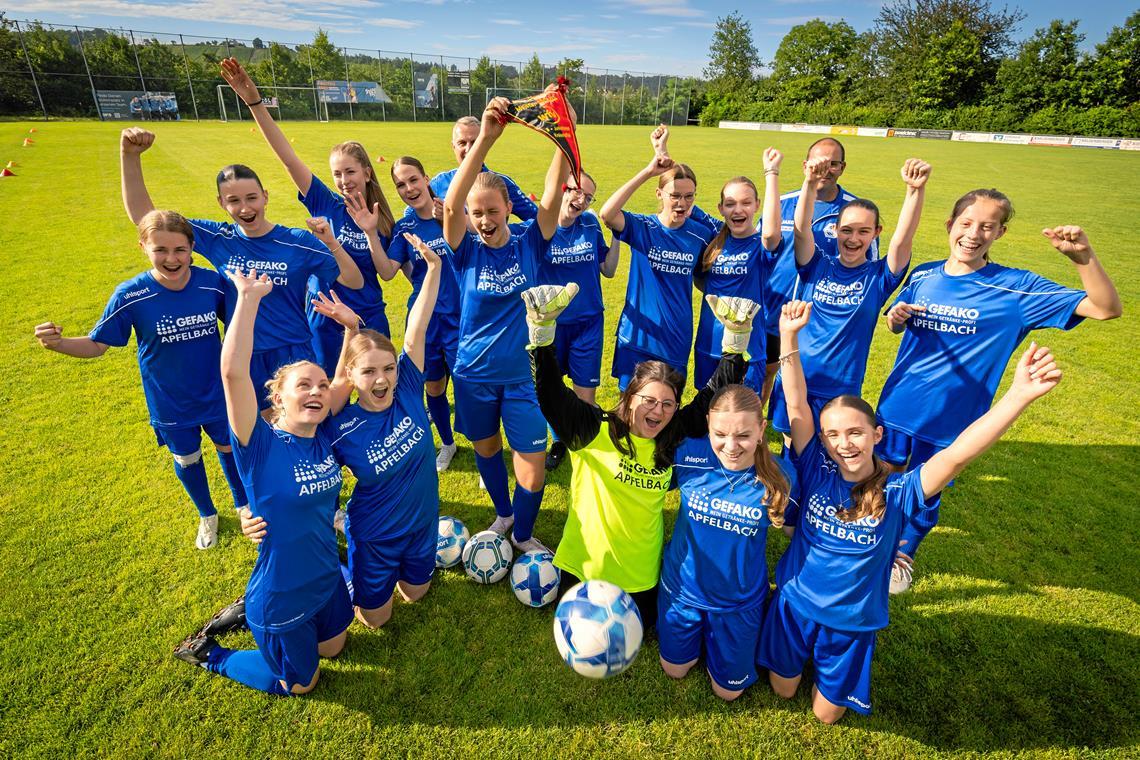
[(597, 628), (534, 578), (487, 557), (453, 536)]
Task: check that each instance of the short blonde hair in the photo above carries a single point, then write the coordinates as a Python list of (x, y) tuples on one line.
[(274, 385), (158, 220)]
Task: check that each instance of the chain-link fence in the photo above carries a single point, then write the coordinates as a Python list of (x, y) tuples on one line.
[(49, 70)]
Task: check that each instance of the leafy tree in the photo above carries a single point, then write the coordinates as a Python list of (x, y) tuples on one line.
[(1047, 70), (257, 43), (811, 59), (733, 59), (1116, 64), (533, 75), (326, 59), (482, 77)]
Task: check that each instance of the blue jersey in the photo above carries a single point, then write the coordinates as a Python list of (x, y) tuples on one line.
[(576, 254), (845, 308), (521, 205), (289, 256), (741, 269), (783, 285), (492, 317), (392, 455), (293, 483), (658, 314), (952, 357), (400, 251), (838, 573), (716, 557), (179, 348), (368, 301)]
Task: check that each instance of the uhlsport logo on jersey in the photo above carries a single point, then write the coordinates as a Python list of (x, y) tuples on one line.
[(315, 477), (189, 327), (278, 271), (946, 318), (384, 453), (725, 514), (671, 262)]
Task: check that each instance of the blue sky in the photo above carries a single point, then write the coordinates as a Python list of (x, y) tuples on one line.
[(668, 36)]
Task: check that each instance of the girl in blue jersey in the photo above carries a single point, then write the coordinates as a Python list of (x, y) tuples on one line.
[(579, 253), (962, 319), (492, 374), (354, 177), (289, 256), (657, 320), (296, 602), (846, 290), (442, 340), (173, 310), (736, 263), (385, 441), (833, 578), (714, 577)]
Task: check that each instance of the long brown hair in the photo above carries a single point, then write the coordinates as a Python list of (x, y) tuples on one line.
[(867, 497), (713, 251), (413, 162), (676, 172), (992, 194), (740, 398), (644, 373), (373, 194)]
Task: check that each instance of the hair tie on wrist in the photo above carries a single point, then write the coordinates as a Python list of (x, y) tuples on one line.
[(257, 102)]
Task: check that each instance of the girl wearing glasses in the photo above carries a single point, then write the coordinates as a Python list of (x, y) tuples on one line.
[(622, 459), (657, 321), (579, 253)]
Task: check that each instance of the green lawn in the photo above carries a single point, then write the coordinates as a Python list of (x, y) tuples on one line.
[(1022, 632)]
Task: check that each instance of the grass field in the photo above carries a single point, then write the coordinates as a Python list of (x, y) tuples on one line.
[(1021, 634)]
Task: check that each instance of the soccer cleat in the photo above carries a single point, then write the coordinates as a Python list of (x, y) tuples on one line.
[(338, 520), (228, 618), (532, 544), (555, 456), (207, 532), (901, 577), (195, 649), (444, 457), (502, 525)]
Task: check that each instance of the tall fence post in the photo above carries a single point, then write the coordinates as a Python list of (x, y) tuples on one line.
[(585, 89), (657, 108), (605, 91), (189, 81), (380, 68), (94, 95), (273, 76), (468, 85), (347, 84), (624, 77), (135, 50), (442, 87), (412, 71), (313, 83), (641, 100), (32, 71), (673, 103)]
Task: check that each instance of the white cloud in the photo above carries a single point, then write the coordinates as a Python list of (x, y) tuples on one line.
[(393, 23), (679, 8), (698, 24), (507, 21)]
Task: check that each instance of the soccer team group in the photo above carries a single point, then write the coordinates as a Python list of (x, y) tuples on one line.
[(307, 381)]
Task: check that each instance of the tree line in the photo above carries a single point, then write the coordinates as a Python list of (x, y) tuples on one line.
[(933, 64)]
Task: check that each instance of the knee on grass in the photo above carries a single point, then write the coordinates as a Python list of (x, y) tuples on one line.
[(412, 593), (826, 711), (726, 694), (677, 671), (785, 688), (375, 617), (298, 689)]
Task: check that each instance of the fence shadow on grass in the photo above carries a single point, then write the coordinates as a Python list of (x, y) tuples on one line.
[(979, 656)]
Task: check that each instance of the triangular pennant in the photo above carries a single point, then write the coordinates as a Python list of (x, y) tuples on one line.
[(548, 112)]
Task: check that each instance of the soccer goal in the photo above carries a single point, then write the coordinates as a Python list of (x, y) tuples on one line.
[(290, 103)]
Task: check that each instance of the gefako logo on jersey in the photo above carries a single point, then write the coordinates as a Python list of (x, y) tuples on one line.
[(385, 453), (549, 113), (241, 264), (316, 477), (176, 329), (946, 318)]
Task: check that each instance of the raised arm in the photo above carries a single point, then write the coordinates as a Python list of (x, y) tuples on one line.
[(915, 172), (133, 142), (420, 314), (815, 169), (613, 257), (770, 227), (350, 275), (237, 77), (237, 349), (611, 211), (552, 189), (368, 220), (1102, 301), (1036, 374), (454, 213), (793, 317), (50, 336), (332, 307)]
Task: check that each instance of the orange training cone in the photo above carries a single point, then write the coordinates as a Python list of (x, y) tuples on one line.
[(28, 143), (380, 159), (533, 197), (12, 165), (7, 173), (32, 130)]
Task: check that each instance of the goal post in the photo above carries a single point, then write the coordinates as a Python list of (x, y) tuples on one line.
[(289, 102)]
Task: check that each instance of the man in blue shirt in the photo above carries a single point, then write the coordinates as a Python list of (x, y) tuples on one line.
[(463, 136)]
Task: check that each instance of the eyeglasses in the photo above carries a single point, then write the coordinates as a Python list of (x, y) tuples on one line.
[(678, 197), (666, 406), (589, 198)]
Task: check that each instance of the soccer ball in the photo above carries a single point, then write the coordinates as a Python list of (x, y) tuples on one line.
[(453, 536), (534, 578), (597, 628), (487, 557)]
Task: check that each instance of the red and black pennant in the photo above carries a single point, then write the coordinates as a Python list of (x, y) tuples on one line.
[(548, 112)]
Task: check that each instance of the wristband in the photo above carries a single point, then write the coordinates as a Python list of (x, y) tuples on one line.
[(257, 102), (771, 171), (787, 356)]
